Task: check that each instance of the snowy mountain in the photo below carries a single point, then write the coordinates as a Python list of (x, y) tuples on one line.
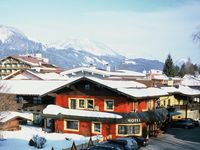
[(70, 53), (87, 45), (181, 61), (12, 39)]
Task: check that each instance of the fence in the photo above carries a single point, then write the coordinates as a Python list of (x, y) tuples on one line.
[(83, 146)]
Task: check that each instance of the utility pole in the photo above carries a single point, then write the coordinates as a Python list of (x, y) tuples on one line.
[(186, 108)]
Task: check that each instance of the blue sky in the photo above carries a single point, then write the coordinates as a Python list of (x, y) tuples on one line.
[(136, 28)]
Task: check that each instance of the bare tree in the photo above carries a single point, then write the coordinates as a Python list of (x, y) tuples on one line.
[(196, 36), (8, 102)]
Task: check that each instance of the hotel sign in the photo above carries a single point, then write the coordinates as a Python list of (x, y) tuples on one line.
[(133, 120)]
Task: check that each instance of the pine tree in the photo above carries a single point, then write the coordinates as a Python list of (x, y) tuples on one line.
[(169, 68), (177, 69)]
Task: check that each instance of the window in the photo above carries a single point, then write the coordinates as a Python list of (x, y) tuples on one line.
[(71, 125), (81, 103), (129, 129), (169, 103), (135, 107), (37, 100), (149, 104), (19, 99), (72, 103), (37, 119), (90, 104), (109, 105), (87, 86), (96, 127)]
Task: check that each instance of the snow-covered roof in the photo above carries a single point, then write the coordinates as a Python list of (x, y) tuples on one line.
[(9, 115), (51, 76), (154, 71), (55, 110), (115, 84), (31, 87), (183, 90), (47, 76), (126, 73), (143, 92), (130, 88), (160, 77), (190, 80), (42, 87), (103, 72)]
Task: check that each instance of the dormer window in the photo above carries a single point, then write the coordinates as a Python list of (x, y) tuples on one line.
[(87, 87)]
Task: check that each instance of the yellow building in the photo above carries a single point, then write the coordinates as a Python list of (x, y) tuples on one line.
[(184, 100), (166, 101)]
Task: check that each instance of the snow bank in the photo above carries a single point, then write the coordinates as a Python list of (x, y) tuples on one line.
[(19, 139)]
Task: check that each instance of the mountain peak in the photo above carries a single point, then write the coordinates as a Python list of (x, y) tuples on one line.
[(85, 44), (6, 32)]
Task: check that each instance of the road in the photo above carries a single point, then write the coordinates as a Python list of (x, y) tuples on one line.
[(176, 139)]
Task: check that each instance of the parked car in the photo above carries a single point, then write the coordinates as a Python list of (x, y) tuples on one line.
[(106, 146), (117, 144), (183, 123), (140, 140), (195, 122)]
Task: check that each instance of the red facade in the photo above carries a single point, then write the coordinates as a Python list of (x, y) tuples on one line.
[(122, 104)]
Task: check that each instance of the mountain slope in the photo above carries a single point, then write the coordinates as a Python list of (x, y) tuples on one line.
[(71, 53), (12, 39), (87, 45)]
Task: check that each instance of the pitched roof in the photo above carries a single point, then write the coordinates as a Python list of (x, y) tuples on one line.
[(185, 90), (35, 62), (33, 75), (104, 72), (40, 87), (190, 80), (9, 115), (31, 87), (144, 92)]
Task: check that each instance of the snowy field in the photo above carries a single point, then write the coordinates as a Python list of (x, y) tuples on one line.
[(18, 140)]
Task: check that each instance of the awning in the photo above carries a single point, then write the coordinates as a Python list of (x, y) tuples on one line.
[(57, 112), (174, 113), (147, 116)]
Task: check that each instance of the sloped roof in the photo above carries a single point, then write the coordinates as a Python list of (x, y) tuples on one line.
[(18, 75), (103, 72), (34, 62), (185, 90), (28, 59), (9, 115), (190, 80), (144, 92), (115, 84), (31, 87), (42, 87)]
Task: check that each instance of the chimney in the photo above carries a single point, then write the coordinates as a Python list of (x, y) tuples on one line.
[(46, 60), (38, 55), (108, 67), (92, 66)]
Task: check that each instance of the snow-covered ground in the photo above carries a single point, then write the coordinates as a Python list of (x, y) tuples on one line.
[(18, 140)]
